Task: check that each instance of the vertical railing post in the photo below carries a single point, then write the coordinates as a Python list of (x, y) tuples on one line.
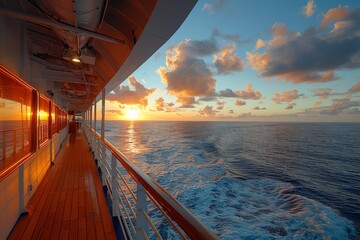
[(4, 145), (142, 227), (115, 200), (95, 115), (103, 114), (14, 141)]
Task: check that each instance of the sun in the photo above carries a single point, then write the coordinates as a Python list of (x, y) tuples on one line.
[(132, 114)]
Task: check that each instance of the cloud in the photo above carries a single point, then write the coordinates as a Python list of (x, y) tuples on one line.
[(226, 62), (290, 106), (217, 5), (124, 95), (161, 105), (259, 108), (207, 99), (232, 38), (186, 102), (249, 93), (317, 103), (355, 88), (186, 75), (246, 115), (227, 93), (309, 8), (207, 111), (259, 44), (231, 111), (220, 107), (119, 112), (286, 96), (338, 106), (314, 55), (335, 14), (240, 103)]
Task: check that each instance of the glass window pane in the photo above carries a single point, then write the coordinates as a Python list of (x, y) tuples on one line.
[(43, 120)]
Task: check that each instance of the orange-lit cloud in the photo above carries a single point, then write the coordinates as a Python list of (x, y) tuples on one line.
[(335, 14), (207, 111), (249, 93), (309, 8), (259, 44), (226, 62), (161, 105), (286, 96), (186, 102), (186, 75), (342, 105), (119, 112), (290, 106), (314, 55), (355, 88), (240, 103), (259, 108), (124, 95)]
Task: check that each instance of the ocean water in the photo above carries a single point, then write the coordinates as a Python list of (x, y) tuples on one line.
[(254, 180)]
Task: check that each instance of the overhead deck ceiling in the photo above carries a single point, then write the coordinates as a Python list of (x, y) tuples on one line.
[(101, 33)]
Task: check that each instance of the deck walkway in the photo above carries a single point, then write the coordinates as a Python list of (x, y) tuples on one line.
[(69, 203)]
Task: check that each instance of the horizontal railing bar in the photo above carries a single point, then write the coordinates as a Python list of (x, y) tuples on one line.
[(176, 228), (151, 224), (126, 213), (182, 216), (127, 185)]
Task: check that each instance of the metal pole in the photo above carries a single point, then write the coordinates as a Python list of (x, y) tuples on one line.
[(103, 114), (141, 205)]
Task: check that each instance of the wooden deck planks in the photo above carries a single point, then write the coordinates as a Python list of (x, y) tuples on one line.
[(69, 203)]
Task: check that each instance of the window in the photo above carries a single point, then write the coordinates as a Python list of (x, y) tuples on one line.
[(43, 115), (15, 118)]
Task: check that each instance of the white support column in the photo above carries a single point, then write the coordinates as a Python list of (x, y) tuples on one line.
[(103, 114), (95, 115), (115, 199), (141, 205)]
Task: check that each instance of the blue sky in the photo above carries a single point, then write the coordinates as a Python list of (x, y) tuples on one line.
[(252, 61)]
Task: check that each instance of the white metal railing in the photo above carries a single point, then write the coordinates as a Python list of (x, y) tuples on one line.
[(144, 209), (13, 141)]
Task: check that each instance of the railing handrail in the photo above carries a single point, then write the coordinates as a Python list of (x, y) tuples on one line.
[(190, 224), (13, 129)]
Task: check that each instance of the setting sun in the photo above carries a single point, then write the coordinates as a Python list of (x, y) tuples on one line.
[(132, 114)]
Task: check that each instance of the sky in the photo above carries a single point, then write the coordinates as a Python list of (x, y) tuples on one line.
[(251, 60)]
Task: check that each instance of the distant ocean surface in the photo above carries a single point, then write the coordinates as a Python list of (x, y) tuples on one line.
[(254, 180)]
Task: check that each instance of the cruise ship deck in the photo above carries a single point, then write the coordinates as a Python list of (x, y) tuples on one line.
[(69, 203)]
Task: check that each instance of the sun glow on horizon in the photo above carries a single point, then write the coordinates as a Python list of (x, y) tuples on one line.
[(133, 114)]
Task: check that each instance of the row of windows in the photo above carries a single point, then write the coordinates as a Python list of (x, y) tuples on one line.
[(23, 113)]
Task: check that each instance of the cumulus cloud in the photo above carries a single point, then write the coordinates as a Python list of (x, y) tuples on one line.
[(226, 62), (246, 115), (342, 105), (220, 105), (317, 103), (249, 93), (240, 103), (259, 108), (186, 75), (290, 106), (124, 94), (309, 8), (232, 38), (161, 105), (217, 5), (260, 43), (186, 102), (314, 55), (335, 14), (231, 111), (355, 88), (286, 96), (119, 112), (207, 111)]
